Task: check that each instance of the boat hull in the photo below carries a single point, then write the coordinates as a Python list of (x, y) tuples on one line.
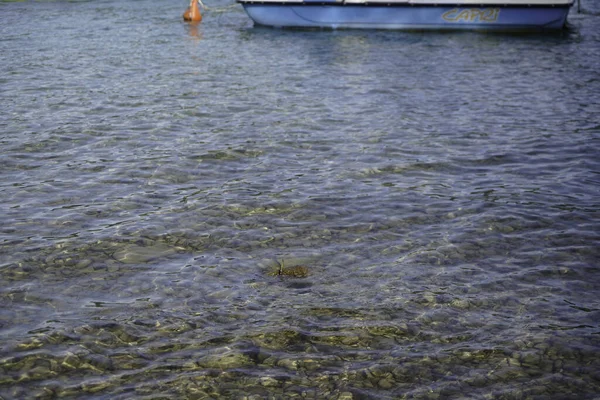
[(406, 17)]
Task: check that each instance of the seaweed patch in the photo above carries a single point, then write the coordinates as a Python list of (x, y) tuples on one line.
[(298, 271)]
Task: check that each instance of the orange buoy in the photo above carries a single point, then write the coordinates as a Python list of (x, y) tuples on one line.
[(192, 14)]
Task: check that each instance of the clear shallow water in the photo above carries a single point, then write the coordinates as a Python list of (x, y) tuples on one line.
[(441, 189)]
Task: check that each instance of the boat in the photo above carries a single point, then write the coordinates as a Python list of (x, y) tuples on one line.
[(486, 15)]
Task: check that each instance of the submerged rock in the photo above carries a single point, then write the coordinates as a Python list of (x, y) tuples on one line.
[(136, 254)]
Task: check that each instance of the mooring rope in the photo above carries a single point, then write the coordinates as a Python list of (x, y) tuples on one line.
[(219, 9)]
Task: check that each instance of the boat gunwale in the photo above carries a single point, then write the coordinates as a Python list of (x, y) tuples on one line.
[(400, 3)]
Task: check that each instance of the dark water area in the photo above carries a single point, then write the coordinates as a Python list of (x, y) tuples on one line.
[(224, 211)]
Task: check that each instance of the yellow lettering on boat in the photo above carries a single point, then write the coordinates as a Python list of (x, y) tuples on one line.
[(450, 15), (491, 15), (464, 15), (475, 14), (472, 15)]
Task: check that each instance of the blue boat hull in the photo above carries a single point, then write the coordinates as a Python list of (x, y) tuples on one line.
[(406, 17)]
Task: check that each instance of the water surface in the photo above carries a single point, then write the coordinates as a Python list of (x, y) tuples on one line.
[(440, 189)]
